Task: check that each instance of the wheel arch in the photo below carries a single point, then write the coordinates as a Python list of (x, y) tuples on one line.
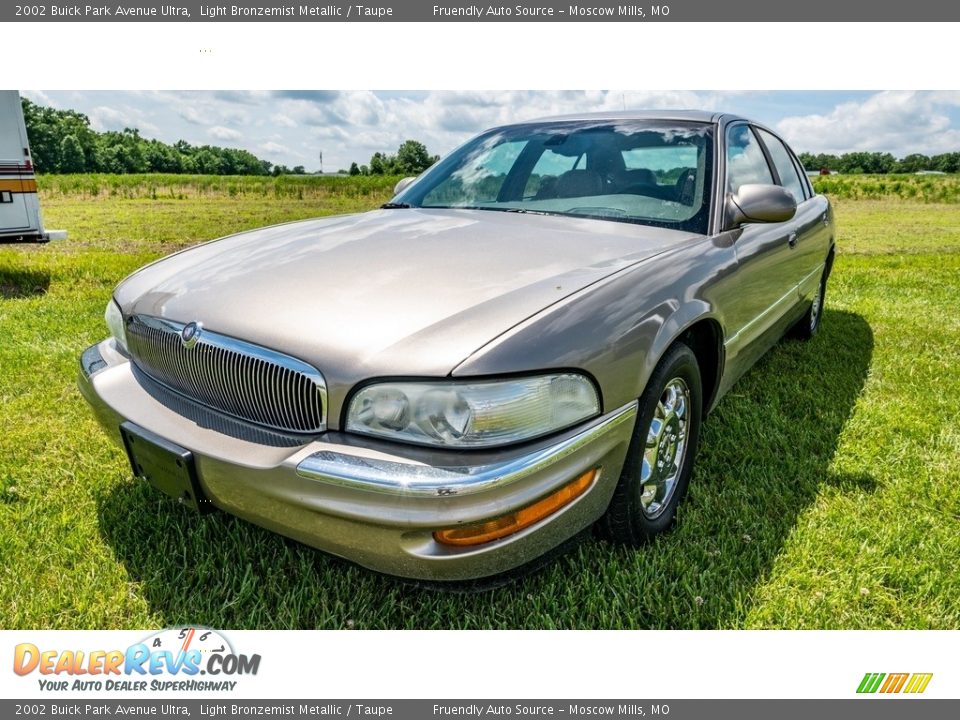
[(703, 334), (705, 338)]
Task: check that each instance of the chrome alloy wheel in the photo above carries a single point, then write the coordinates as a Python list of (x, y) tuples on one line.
[(815, 308), (666, 448)]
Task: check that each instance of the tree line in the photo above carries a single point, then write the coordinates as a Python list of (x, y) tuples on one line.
[(62, 141), (881, 163)]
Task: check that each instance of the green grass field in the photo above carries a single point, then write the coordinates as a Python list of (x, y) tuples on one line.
[(827, 493)]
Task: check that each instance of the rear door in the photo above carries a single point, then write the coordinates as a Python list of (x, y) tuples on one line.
[(809, 244)]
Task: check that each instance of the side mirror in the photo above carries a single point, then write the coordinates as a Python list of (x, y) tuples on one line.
[(403, 185), (760, 203)]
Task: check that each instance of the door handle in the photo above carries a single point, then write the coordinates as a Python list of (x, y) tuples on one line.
[(826, 220), (792, 240)]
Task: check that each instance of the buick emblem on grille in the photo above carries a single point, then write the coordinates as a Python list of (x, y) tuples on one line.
[(190, 334)]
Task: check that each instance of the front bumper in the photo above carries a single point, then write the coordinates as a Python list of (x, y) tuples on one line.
[(374, 503)]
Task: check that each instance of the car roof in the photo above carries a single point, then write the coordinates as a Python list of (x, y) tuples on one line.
[(705, 116)]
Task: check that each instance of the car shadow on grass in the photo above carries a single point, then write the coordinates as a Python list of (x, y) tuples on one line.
[(21, 283), (766, 452)]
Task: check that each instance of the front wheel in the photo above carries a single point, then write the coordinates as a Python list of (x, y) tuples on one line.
[(660, 459)]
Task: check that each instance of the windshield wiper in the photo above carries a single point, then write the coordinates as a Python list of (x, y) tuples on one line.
[(527, 211), (492, 208), (395, 206), (489, 208)]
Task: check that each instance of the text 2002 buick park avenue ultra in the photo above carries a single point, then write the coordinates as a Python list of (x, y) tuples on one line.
[(522, 343)]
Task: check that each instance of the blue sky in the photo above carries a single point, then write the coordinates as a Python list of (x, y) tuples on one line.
[(293, 127)]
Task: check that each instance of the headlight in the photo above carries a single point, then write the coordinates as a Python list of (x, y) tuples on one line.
[(114, 319), (474, 414)]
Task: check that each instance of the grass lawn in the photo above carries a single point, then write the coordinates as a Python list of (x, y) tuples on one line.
[(827, 493)]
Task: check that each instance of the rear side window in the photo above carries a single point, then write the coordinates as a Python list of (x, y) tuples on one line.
[(784, 164), (746, 163)]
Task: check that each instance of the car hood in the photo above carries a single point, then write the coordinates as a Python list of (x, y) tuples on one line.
[(389, 292)]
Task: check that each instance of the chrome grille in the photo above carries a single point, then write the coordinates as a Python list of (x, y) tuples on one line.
[(235, 377)]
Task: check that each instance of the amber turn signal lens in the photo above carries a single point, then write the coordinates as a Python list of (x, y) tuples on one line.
[(516, 521)]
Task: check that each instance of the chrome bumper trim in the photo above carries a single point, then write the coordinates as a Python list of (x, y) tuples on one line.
[(400, 478)]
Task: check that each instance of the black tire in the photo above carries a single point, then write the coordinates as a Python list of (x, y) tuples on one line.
[(807, 326), (632, 517)]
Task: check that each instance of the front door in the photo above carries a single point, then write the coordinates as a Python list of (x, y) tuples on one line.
[(766, 286)]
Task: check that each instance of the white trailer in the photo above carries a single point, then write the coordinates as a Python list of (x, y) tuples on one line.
[(20, 218)]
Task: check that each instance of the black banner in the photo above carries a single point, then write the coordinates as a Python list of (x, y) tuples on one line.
[(526, 11)]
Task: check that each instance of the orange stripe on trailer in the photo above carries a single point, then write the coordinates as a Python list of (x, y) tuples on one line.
[(19, 186)]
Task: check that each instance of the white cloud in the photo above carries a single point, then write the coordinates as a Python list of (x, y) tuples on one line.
[(39, 97), (105, 117), (232, 115), (274, 147), (281, 120), (240, 97), (900, 122), (192, 115), (218, 132)]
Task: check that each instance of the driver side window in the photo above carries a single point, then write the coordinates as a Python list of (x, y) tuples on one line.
[(746, 162)]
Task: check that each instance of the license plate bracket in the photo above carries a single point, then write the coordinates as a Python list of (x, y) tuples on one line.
[(166, 466)]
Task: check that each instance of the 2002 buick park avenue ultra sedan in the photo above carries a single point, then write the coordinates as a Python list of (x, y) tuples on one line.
[(522, 344)]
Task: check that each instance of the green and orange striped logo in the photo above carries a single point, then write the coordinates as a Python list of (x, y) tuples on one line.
[(894, 682)]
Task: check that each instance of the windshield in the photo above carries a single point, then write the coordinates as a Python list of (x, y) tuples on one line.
[(639, 171)]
